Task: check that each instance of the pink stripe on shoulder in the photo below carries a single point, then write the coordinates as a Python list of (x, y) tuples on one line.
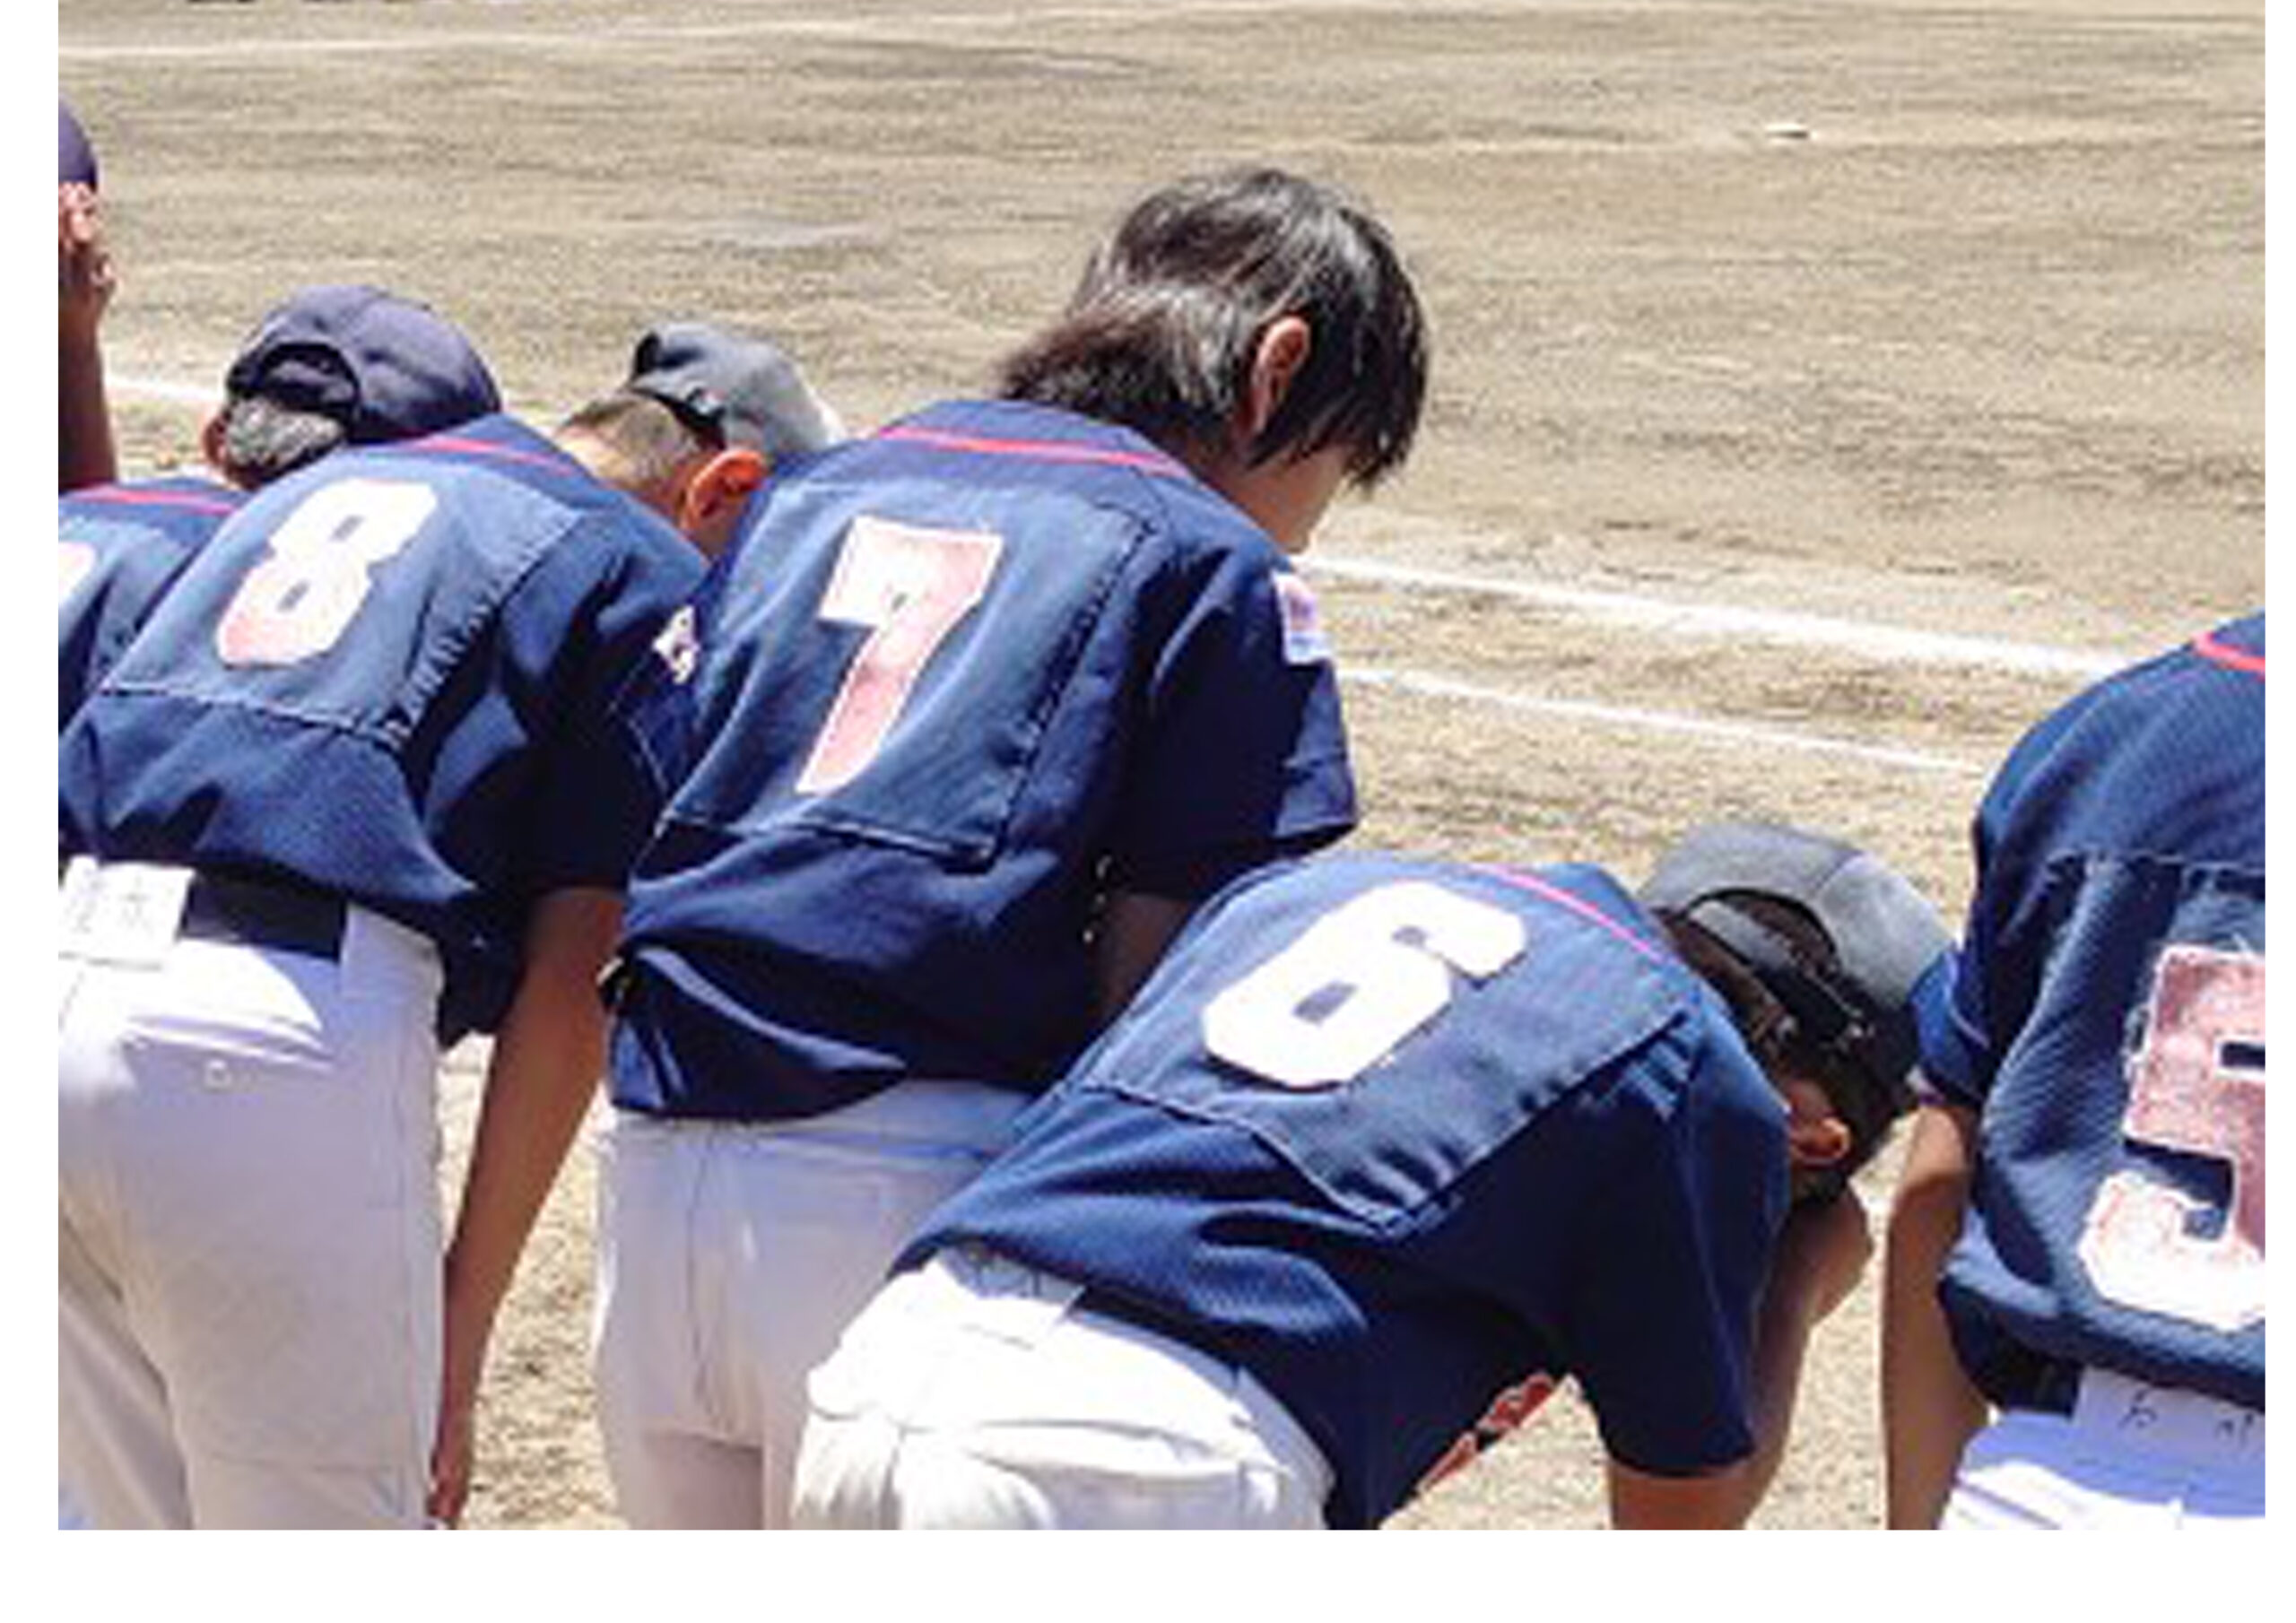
[(1041, 450), (477, 447), (2224, 654), (1584, 910), (127, 497)]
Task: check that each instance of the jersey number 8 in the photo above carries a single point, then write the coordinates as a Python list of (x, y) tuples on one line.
[(296, 602)]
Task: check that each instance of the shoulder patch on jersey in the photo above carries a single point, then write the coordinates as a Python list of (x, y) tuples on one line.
[(679, 646), (1304, 642)]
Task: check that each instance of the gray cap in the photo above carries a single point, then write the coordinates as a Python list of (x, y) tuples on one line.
[(744, 390), (1885, 935), (384, 367)]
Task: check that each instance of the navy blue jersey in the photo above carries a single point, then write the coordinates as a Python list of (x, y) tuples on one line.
[(1412, 1142), (2108, 1020), (952, 683), (388, 676), (119, 546)]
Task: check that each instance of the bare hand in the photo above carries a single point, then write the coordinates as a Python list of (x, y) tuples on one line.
[(84, 278), (451, 1459), (454, 1451)]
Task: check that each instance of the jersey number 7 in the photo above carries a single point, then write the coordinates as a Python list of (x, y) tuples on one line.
[(910, 587)]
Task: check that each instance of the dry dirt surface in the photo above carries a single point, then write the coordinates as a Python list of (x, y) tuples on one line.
[(1823, 390)]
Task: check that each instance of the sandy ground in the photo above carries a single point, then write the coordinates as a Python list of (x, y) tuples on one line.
[(1896, 316)]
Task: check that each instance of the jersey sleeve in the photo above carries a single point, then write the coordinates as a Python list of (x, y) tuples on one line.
[(1995, 975), (591, 643), (1660, 1320), (1244, 750)]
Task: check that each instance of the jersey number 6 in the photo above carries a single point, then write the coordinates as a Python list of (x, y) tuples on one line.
[(299, 599), (1361, 979), (2196, 1086)]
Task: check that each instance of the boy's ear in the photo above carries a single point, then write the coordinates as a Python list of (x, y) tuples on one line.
[(1817, 1141), (211, 440), (726, 479), (1276, 359)]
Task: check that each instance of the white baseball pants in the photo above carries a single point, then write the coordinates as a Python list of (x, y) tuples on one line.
[(2130, 1456), (975, 1393), (248, 1228), (730, 1254)]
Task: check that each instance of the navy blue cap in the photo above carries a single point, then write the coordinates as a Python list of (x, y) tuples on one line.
[(76, 156), (386, 368), (743, 390)]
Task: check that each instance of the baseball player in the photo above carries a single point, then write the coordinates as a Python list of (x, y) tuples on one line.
[(705, 417), (980, 705), (85, 283), (1386, 1150), (358, 787), (331, 366), (2078, 1237)]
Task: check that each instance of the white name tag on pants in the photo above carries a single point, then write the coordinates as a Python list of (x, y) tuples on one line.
[(126, 914)]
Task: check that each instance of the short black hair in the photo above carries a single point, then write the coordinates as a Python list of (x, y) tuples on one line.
[(1868, 1103), (1161, 332)]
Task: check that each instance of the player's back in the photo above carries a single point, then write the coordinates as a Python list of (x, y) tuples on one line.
[(954, 679), (2111, 1028), (386, 677), (1399, 1135), (119, 545)]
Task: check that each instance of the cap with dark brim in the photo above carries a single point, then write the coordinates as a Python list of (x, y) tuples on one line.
[(384, 367), (1884, 933), (75, 154), (743, 390)]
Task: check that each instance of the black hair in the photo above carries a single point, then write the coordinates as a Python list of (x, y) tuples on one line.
[(1160, 334), (1788, 1042)]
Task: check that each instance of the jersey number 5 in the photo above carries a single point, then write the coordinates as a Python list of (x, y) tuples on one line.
[(910, 587), (2196, 1086), (1361, 979), (299, 599)]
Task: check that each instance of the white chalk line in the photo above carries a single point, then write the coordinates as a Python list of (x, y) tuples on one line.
[(162, 389), (1681, 619), (894, 28), (1632, 718), (1723, 621)]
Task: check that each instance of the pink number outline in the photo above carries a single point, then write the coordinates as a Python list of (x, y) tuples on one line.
[(910, 586), (300, 599), (2185, 1096)]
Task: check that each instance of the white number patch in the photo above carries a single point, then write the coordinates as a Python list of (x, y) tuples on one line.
[(2189, 1091), (910, 587), (298, 601), (74, 561), (1360, 980)]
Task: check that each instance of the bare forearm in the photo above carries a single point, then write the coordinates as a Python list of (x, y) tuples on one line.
[(1929, 1409), (85, 454), (1822, 1253), (546, 1063)]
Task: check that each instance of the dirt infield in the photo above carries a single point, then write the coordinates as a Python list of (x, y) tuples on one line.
[(1850, 318)]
